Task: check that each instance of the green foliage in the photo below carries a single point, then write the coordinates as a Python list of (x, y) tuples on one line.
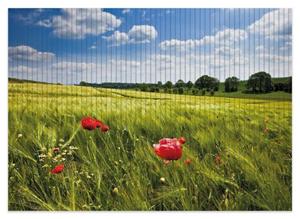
[(260, 82), (180, 90), (189, 85), (179, 84), (168, 84), (207, 82), (283, 85), (195, 91), (231, 84)]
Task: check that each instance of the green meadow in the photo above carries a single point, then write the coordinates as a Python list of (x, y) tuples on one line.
[(119, 170)]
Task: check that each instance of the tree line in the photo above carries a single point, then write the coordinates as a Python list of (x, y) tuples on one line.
[(260, 82)]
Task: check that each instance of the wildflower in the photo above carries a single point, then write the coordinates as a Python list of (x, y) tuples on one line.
[(61, 140), (187, 161), (104, 128), (20, 135), (162, 180), (182, 140), (169, 148), (56, 149), (42, 156), (115, 190), (218, 159), (90, 123), (58, 169), (166, 162), (73, 148)]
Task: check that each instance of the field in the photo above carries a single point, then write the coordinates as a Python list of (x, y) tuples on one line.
[(240, 151)]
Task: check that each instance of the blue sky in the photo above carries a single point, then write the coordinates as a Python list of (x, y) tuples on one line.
[(147, 45)]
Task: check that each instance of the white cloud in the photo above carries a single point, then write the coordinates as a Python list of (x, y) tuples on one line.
[(180, 45), (117, 38), (224, 37), (23, 69), (277, 23), (29, 18), (137, 34), (126, 11), (142, 33), (27, 53), (74, 67), (227, 51), (78, 23), (44, 23)]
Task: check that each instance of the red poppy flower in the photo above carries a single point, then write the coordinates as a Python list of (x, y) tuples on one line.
[(58, 169), (90, 123), (218, 159), (168, 149), (187, 161)]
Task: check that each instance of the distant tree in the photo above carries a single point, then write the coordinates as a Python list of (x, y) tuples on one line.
[(83, 83), (279, 86), (231, 84), (154, 89), (175, 90), (260, 82), (207, 82), (189, 84), (203, 92), (180, 90), (180, 83), (289, 85), (143, 87), (195, 91), (168, 84), (212, 92), (159, 84)]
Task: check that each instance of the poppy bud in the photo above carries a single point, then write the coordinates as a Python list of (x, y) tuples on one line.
[(182, 140), (187, 161), (218, 159), (56, 149), (104, 128)]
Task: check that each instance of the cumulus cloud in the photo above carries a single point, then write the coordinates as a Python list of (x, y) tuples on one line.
[(277, 23), (79, 23), (137, 34), (117, 38), (225, 37), (142, 33), (27, 53)]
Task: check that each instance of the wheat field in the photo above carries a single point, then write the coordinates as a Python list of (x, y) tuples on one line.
[(240, 151)]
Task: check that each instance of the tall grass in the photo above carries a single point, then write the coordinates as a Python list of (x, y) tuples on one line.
[(118, 170)]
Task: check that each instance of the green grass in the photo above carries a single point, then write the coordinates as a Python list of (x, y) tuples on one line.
[(118, 170)]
